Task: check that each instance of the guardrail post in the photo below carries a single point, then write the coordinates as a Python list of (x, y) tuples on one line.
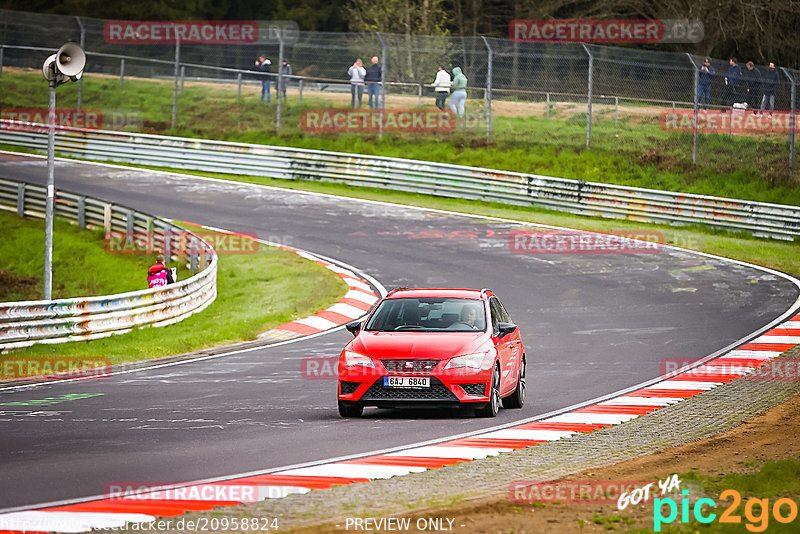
[(21, 200), (82, 213), (175, 85), (548, 106), (488, 90), (121, 71), (793, 114), (183, 76), (589, 95), (239, 85), (107, 218), (300, 100)]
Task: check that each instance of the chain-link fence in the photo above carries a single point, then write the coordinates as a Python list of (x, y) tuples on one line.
[(568, 95)]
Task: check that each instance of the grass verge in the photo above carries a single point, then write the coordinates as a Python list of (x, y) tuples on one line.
[(255, 292), (635, 152)]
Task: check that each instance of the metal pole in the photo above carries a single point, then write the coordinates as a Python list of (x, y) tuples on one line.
[(175, 85), (488, 89), (183, 76), (47, 280), (239, 85), (83, 47), (2, 48), (696, 108), (589, 96), (793, 115), (548, 106), (419, 95), (616, 111), (383, 83), (121, 71), (280, 81)]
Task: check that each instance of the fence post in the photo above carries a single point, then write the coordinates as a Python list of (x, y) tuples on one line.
[(383, 83), (300, 90), (279, 32), (82, 213), (419, 95), (183, 76), (239, 85), (488, 89), (793, 115), (696, 107), (175, 85), (21, 200), (193, 254), (589, 95), (129, 224), (548, 106), (2, 49), (107, 218), (616, 111), (121, 71), (83, 47)]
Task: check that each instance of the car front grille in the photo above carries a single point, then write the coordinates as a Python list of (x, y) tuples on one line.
[(474, 389), (349, 387), (409, 366), (437, 391)]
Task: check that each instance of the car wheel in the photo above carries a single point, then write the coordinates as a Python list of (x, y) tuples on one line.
[(493, 406), (350, 410), (517, 399)]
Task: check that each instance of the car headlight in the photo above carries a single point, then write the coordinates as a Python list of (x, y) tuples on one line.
[(352, 359), (474, 361)]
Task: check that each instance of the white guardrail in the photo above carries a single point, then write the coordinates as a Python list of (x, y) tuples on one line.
[(573, 196), (57, 321)]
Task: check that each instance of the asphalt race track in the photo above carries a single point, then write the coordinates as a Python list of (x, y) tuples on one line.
[(592, 324)]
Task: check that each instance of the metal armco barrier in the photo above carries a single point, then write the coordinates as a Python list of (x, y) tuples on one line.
[(57, 321), (573, 196)]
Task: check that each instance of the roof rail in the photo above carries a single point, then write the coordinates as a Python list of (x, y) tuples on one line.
[(396, 290)]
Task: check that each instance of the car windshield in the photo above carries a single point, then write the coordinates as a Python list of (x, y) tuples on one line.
[(428, 315)]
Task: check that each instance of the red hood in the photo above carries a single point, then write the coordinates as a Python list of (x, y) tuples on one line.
[(438, 345), (155, 268)]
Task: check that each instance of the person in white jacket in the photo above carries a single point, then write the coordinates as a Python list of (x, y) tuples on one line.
[(442, 87), (357, 73)]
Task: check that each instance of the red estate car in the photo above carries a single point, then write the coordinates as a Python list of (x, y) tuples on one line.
[(433, 347)]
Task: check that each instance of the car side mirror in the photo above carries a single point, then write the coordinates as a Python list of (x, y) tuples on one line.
[(504, 329), (353, 327)]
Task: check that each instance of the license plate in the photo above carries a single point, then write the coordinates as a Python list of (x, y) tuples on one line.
[(406, 381)]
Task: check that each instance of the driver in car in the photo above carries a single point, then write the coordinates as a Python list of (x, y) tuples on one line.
[(469, 317)]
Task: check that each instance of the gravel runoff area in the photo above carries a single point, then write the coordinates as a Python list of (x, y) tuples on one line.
[(709, 413)]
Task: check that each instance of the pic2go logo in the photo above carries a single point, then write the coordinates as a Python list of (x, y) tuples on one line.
[(756, 511)]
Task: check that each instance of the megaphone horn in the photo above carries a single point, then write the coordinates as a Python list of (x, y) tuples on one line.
[(70, 59)]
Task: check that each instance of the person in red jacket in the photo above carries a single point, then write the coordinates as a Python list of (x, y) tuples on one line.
[(159, 275)]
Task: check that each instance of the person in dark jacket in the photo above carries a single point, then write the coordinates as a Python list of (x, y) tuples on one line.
[(159, 275), (732, 80), (285, 70), (706, 74), (373, 81), (753, 78), (771, 81), (264, 65)]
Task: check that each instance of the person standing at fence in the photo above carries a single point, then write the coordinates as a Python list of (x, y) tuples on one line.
[(706, 74), (753, 76), (771, 81), (285, 70), (459, 96), (357, 74), (159, 275), (732, 83), (373, 81), (264, 65), (442, 87)]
